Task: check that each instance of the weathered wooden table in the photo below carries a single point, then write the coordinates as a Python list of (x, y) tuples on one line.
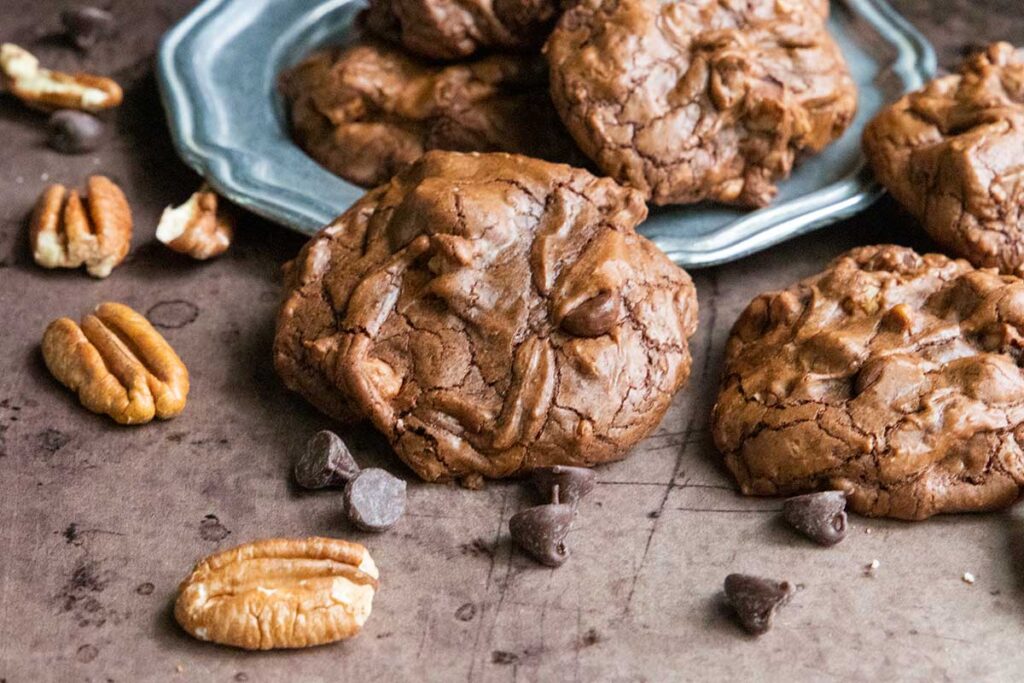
[(98, 523)]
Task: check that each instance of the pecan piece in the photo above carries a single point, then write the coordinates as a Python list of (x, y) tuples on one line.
[(202, 227), (118, 363), (66, 232), (279, 593), (49, 90)]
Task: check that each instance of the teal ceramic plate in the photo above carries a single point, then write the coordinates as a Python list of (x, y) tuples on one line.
[(218, 67)]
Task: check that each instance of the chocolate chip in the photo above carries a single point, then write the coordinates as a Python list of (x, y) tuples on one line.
[(541, 532), (86, 26), (74, 132), (756, 600), (820, 517), (594, 317), (573, 483), (325, 462), (374, 499)]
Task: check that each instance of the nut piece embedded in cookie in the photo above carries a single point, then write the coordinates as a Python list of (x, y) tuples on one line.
[(951, 154), (891, 376), (201, 227), (279, 593), (45, 89), (118, 364), (693, 101), (67, 231)]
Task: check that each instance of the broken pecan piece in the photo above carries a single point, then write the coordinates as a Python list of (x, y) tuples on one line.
[(66, 232), (118, 363), (201, 227), (49, 90), (279, 593)]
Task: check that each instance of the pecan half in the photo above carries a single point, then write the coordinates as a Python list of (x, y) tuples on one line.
[(49, 90), (202, 227), (279, 593), (118, 364), (66, 232)]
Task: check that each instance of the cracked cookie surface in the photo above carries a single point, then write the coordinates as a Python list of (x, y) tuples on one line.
[(699, 99), (367, 111), (953, 155), (446, 29), (490, 313), (891, 375)]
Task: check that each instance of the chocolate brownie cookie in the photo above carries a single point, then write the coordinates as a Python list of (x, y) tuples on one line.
[(450, 29), (689, 101), (953, 154), (367, 111), (490, 313), (893, 376)]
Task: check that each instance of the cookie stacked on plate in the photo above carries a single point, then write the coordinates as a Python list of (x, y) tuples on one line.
[(684, 101)]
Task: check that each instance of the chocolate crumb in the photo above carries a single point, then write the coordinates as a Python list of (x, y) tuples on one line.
[(503, 657), (466, 612)]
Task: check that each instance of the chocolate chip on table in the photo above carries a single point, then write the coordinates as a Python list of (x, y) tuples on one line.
[(326, 461), (541, 532), (756, 600), (593, 317), (573, 483), (820, 517), (74, 132), (374, 499), (85, 26)]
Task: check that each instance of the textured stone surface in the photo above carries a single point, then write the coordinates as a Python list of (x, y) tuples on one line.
[(100, 523)]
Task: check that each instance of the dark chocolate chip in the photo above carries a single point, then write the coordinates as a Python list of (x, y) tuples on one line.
[(74, 132), (541, 532), (756, 600), (819, 516), (374, 499), (573, 483), (86, 26), (594, 317), (325, 462)]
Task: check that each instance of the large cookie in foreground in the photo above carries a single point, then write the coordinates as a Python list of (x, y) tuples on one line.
[(450, 29), (692, 101), (891, 375), (953, 154), (367, 111), (490, 313)]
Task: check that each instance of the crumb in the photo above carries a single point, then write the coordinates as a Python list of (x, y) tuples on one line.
[(968, 578), (44, 177), (867, 530), (179, 668), (870, 569)]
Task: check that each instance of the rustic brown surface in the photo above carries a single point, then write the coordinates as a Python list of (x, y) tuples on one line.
[(99, 523)]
